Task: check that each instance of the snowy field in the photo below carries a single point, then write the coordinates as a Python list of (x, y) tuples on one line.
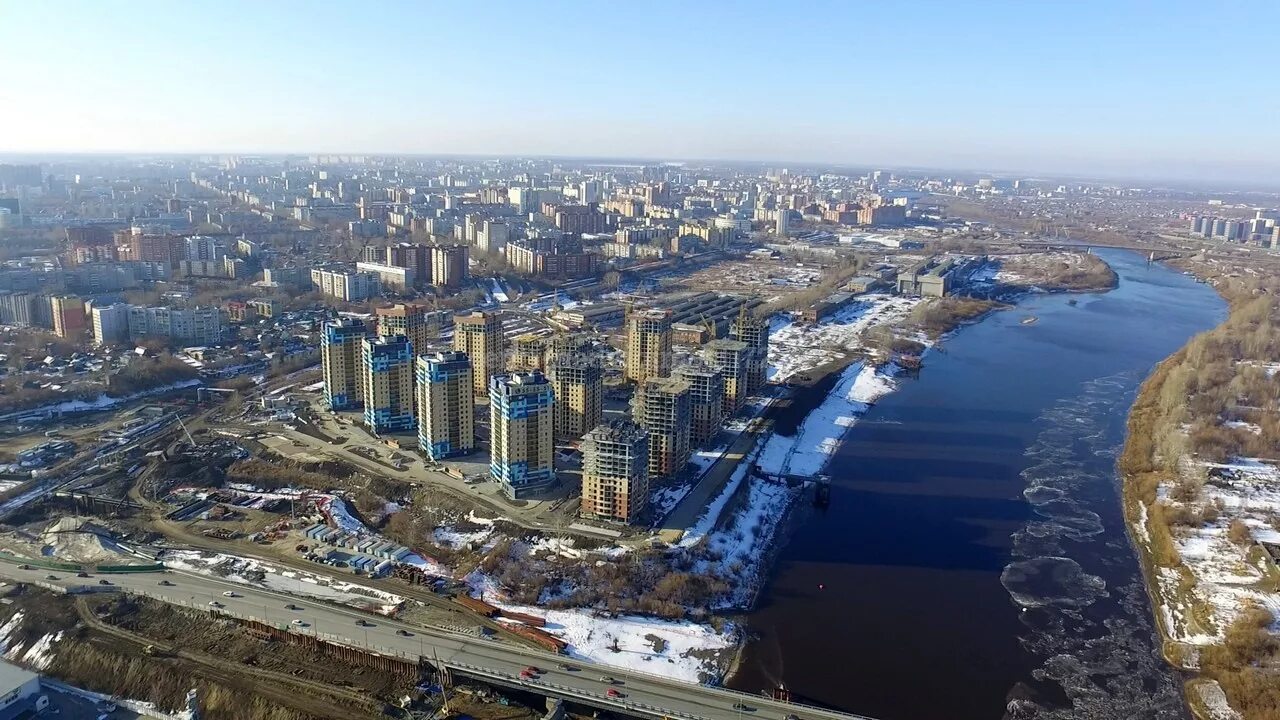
[(796, 347), (1227, 574), (681, 650), (37, 655)]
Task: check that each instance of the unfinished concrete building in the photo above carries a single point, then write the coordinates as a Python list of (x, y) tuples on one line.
[(615, 471), (754, 332), (706, 399), (577, 379), (648, 345), (479, 335), (566, 344), (527, 353), (732, 358), (662, 406)]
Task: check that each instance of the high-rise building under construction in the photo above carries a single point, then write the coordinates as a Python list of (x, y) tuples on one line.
[(662, 406), (753, 331), (648, 345), (577, 379), (615, 471), (733, 359), (706, 399)]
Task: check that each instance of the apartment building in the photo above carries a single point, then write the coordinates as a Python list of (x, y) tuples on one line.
[(528, 353), (340, 360), (648, 345), (195, 326), (346, 285), (732, 358), (387, 380), (17, 309), (753, 331), (706, 399), (445, 405), (479, 335), (662, 406), (391, 278), (522, 422), (615, 471), (110, 324), (578, 381), (449, 265), (68, 316), (418, 322)]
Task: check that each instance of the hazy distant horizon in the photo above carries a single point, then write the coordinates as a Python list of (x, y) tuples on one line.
[(1226, 182)]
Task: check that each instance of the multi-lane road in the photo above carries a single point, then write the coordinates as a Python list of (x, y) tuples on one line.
[(502, 664)]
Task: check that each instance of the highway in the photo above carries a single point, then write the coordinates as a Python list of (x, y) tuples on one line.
[(559, 676)]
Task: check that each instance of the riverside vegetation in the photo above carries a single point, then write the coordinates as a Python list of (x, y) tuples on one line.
[(1214, 400)]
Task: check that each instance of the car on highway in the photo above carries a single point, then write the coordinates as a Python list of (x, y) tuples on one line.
[(229, 593), (291, 606), (532, 669), (299, 622), (82, 574), (24, 566), (526, 675), (569, 668), (215, 603), (742, 707), (607, 680), (404, 633), (50, 577), (364, 623), (104, 581), (613, 693), (165, 583)]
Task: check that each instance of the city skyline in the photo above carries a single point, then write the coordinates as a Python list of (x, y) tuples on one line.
[(1116, 91)]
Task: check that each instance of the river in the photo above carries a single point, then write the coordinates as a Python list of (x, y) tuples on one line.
[(973, 562)]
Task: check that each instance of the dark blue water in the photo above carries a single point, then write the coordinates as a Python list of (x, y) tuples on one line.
[(973, 562)]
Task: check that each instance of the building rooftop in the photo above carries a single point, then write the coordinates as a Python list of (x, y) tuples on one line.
[(13, 677)]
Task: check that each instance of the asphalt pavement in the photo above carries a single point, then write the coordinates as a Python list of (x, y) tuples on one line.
[(556, 675)]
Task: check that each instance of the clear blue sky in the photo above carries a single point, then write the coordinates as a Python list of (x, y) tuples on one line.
[(1140, 89)]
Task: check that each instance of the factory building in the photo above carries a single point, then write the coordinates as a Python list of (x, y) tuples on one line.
[(522, 422), (388, 384), (479, 335), (648, 345), (706, 399), (340, 361), (615, 471), (445, 405), (662, 406)]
